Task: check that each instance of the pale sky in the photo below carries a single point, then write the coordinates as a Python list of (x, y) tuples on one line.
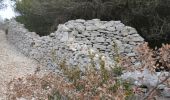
[(8, 12)]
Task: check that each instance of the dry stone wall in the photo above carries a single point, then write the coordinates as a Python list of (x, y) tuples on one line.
[(78, 42)]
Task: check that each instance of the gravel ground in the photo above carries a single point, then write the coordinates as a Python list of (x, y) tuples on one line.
[(13, 64)]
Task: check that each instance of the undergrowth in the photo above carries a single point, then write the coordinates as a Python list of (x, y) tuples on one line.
[(92, 84)]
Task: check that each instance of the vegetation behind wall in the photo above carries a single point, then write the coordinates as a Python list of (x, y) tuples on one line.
[(150, 17)]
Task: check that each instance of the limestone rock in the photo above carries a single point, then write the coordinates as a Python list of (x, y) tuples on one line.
[(91, 28), (149, 79), (65, 37), (166, 92), (80, 20), (100, 39)]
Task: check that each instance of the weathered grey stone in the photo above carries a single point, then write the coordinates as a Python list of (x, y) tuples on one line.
[(86, 33), (127, 50), (137, 39), (149, 79), (95, 34), (70, 26), (97, 20), (109, 24), (135, 35), (63, 28), (124, 33), (111, 29), (65, 37), (131, 30), (131, 54), (109, 47), (118, 43), (98, 24), (137, 64), (100, 39), (80, 36), (91, 28), (100, 46), (166, 92), (109, 40), (118, 37), (132, 43), (119, 27), (80, 28), (80, 20), (52, 35)]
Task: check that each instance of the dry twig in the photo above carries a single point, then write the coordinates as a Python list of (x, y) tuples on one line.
[(153, 89)]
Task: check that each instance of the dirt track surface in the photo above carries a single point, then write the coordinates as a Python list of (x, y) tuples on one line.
[(13, 64)]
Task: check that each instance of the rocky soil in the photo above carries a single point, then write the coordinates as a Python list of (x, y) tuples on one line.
[(12, 65)]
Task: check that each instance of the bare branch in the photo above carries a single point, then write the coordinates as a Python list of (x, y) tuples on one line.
[(153, 89)]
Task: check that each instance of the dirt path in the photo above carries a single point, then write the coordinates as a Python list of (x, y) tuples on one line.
[(12, 64)]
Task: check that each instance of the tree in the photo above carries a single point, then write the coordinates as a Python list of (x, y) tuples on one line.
[(43, 16), (40, 15)]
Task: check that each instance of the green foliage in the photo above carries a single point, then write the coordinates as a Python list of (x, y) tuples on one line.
[(117, 71), (79, 86), (73, 73), (122, 84), (57, 96), (40, 15), (91, 56), (104, 71)]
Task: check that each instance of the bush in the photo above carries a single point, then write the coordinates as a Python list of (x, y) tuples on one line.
[(155, 59), (40, 15)]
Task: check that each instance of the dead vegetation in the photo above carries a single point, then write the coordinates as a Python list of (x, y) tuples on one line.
[(92, 84)]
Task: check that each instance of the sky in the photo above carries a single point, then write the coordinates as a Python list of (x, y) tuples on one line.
[(8, 12)]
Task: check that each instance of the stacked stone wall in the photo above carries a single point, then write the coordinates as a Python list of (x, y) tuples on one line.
[(76, 41)]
